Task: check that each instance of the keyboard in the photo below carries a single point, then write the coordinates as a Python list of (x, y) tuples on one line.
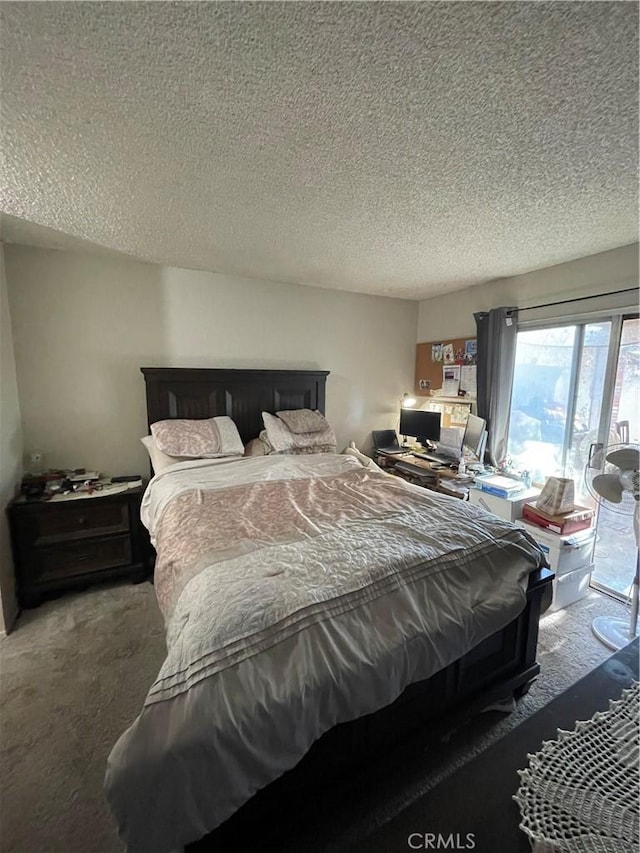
[(433, 457)]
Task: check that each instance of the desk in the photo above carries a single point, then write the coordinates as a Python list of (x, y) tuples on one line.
[(424, 473)]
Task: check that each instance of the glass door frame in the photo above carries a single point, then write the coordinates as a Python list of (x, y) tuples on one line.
[(609, 388), (576, 361), (606, 412)]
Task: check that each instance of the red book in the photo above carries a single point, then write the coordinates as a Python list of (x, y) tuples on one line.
[(570, 522)]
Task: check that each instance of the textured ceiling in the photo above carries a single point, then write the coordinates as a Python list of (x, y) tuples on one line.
[(395, 148)]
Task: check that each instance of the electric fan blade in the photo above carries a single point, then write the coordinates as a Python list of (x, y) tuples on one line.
[(608, 486), (627, 459)]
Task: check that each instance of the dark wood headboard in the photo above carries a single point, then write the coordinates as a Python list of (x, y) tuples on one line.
[(189, 392)]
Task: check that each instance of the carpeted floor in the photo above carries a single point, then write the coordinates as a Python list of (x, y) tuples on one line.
[(74, 675)]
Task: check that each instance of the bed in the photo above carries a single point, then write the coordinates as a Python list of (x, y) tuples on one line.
[(312, 607)]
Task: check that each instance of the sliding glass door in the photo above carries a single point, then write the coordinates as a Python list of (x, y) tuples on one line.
[(557, 398), (576, 385)]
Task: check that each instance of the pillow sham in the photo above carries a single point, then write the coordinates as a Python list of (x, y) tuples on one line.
[(160, 460), (208, 438), (284, 440), (303, 421)]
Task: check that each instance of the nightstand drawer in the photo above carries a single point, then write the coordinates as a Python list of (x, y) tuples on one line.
[(75, 558), (75, 520)]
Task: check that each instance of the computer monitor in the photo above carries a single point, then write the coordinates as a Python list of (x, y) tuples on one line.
[(425, 426), (475, 437)]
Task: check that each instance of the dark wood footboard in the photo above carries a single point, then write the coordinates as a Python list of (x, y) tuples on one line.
[(502, 666)]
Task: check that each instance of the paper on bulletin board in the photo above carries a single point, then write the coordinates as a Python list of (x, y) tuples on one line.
[(451, 380), (459, 415), (468, 379), (471, 350)]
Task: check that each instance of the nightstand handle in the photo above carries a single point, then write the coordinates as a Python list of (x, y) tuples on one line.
[(82, 519)]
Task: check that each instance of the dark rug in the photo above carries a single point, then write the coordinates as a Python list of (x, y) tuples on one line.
[(475, 804)]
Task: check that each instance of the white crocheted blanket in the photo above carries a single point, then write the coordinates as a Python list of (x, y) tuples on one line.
[(580, 792)]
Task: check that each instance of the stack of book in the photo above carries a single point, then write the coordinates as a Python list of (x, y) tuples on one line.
[(579, 518), (499, 485)]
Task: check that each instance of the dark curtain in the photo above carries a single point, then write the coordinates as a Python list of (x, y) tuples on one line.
[(497, 330)]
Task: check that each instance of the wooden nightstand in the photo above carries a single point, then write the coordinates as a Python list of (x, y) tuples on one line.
[(61, 544)]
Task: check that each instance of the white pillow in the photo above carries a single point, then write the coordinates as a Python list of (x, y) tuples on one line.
[(160, 460), (208, 438)]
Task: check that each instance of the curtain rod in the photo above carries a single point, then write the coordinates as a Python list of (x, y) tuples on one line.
[(579, 299)]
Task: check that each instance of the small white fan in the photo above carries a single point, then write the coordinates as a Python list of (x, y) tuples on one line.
[(612, 479)]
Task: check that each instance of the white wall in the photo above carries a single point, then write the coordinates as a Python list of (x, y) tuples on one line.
[(84, 324), (451, 315), (10, 451)]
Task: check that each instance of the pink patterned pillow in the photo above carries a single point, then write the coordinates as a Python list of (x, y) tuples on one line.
[(285, 441), (303, 421), (208, 438)]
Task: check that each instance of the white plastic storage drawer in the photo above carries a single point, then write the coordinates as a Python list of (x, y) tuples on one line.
[(570, 587), (509, 508), (564, 553)]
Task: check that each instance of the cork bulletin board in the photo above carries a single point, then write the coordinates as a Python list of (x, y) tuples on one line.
[(432, 356)]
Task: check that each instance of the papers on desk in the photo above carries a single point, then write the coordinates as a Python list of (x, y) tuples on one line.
[(455, 488)]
